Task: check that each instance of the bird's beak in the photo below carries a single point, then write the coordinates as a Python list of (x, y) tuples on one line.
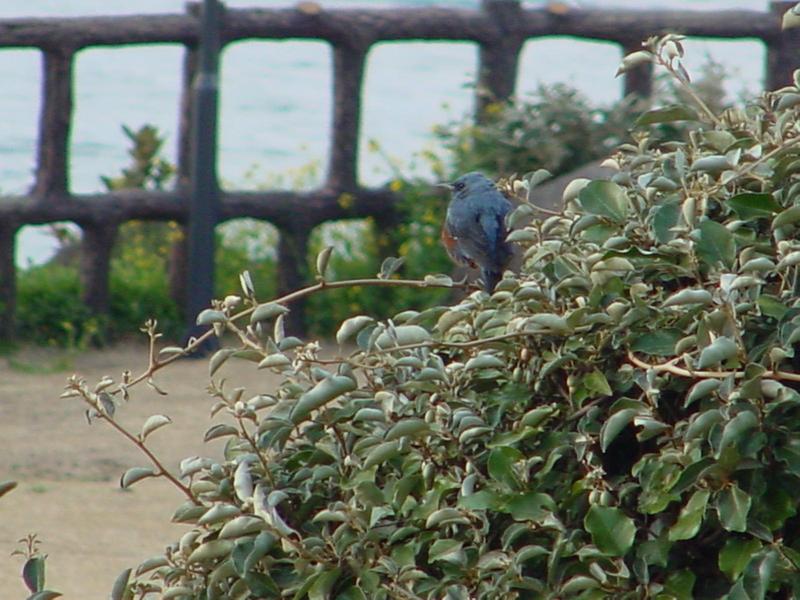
[(444, 184)]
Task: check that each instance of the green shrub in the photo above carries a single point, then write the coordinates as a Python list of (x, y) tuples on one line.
[(559, 129), (49, 307), (617, 420)]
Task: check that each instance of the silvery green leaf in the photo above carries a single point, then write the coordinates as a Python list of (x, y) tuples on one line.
[(219, 430), (689, 296), (243, 481), (219, 512), (791, 18), (211, 550), (536, 178), (390, 266), (105, 383), (191, 465), (135, 474), (151, 563), (107, 402), (218, 359), (210, 316), (789, 260), (718, 351), (169, 351), (439, 280), (760, 264), (152, 423), (574, 188), (522, 235), (550, 321), (279, 330), (633, 60), (484, 361), (120, 590), (323, 258), (290, 342), (351, 327), (266, 311), (712, 164), (404, 335), (241, 526), (275, 361), (787, 217), (246, 281)]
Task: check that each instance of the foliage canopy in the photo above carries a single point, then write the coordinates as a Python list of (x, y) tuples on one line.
[(618, 419)]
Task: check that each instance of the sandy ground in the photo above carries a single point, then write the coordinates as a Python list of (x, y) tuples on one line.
[(68, 471)]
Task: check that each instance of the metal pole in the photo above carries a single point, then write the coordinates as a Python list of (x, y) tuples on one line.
[(203, 185)]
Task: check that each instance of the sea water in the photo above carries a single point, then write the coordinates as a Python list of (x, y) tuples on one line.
[(275, 101)]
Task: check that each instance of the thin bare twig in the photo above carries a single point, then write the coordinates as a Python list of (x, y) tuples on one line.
[(157, 365), (670, 367)]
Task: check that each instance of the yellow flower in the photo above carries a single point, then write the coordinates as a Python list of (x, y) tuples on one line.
[(346, 200)]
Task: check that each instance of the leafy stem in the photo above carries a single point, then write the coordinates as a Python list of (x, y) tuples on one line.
[(101, 412)]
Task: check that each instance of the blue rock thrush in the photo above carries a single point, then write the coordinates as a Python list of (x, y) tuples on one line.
[(474, 231)]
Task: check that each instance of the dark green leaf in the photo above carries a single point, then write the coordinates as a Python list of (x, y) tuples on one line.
[(616, 423), (715, 245), (680, 584), (532, 506), (691, 517), (732, 507), (33, 573), (323, 584), (758, 574), (660, 342), (772, 307), (605, 199), (735, 555), (261, 585), (750, 205), (665, 217), (612, 530), (501, 466), (736, 430)]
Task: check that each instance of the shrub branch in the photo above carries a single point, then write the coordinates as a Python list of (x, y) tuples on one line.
[(671, 367)]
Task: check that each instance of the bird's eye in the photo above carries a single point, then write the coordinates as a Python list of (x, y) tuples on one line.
[(458, 186)]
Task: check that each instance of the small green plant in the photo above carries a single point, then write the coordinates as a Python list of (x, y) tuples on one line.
[(33, 572)]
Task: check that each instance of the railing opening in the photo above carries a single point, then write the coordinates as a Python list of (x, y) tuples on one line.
[(287, 118), (137, 85)]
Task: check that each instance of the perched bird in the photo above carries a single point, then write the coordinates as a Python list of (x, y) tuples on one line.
[(474, 231)]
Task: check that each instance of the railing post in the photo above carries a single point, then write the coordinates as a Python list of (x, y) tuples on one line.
[(638, 80), (783, 52), (179, 252), (8, 280), (499, 59), (204, 187), (348, 77), (52, 176), (96, 247), (292, 272)]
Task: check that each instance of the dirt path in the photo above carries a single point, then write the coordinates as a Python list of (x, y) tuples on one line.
[(68, 471)]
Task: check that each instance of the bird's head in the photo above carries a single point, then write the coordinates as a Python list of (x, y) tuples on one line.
[(469, 183)]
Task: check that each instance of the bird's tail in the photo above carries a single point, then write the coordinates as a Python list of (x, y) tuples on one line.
[(490, 279)]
